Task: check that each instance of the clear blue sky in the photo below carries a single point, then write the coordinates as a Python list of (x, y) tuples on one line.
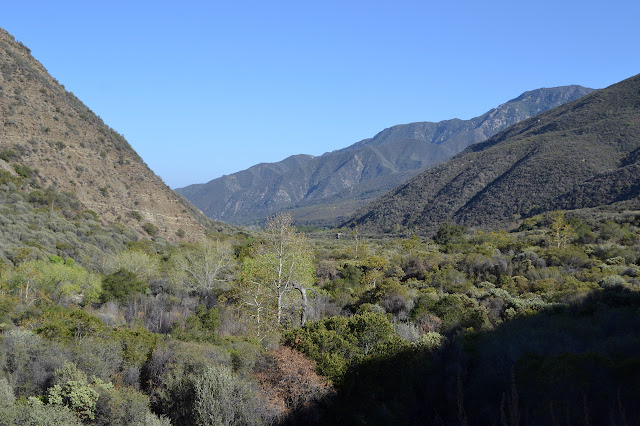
[(206, 88)]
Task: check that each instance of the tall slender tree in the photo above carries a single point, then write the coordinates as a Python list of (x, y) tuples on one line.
[(283, 265)]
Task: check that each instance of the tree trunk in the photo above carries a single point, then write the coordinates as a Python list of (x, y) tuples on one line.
[(303, 313)]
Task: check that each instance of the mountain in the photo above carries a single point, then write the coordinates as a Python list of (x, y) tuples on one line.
[(583, 154), (48, 133), (325, 189)]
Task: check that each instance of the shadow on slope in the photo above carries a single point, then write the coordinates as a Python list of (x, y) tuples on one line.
[(566, 365)]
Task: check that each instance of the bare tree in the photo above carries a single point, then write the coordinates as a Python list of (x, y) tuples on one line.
[(206, 267)]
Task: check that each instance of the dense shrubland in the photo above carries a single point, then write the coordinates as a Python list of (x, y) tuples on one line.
[(37, 222), (537, 326), (532, 326)]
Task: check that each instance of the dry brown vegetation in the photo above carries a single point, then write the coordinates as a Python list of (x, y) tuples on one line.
[(71, 149)]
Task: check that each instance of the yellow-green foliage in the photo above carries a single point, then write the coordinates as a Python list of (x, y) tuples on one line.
[(62, 283)]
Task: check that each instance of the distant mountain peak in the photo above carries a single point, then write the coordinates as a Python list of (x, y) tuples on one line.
[(577, 155), (326, 189)]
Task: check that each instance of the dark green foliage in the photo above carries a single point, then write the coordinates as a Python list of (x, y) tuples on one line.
[(6, 177), (564, 366), (459, 311), (7, 307), (584, 233), (137, 344), (246, 250), (200, 326), (23, 171), (611, 231), (348, 284), (337, 342), (120, 285), (580, 387), (66, 325), (448, 233), (150, 229), (122, 406)]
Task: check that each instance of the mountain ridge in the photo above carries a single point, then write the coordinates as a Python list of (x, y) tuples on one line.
[(326, 188), (568, 157)]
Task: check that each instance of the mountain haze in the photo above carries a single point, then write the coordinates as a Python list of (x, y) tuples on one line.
[(325, 189), (48, 130), (582, 154)]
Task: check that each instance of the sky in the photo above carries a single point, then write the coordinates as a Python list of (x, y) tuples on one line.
[(201, 89)]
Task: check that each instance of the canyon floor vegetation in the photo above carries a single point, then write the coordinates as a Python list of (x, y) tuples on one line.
[(527, 326)]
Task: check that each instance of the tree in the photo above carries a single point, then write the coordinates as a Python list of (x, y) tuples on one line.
[(561, 231), (120, 285), (33, 411), (207, 266), (63, 283), (283, 264), (449, 233), (374, 267), (145, 266), (71, 390), (6, 398)]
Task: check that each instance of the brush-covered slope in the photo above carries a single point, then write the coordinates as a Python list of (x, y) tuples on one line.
[(48, 130), (582, 154), (325, 189)]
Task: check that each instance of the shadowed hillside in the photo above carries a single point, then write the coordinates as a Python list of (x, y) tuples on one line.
[(582, 154)]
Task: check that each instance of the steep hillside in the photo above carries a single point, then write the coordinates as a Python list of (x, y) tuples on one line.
[(582, 154), (325, 189), (68, 147)]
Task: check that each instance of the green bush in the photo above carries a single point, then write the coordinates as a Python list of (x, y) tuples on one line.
[(223, 399), (33, 412), (449, 233), (122, 406), (150, 229), (120, 285), (9, 155), (200, 326), (71, 390), (24, 171), (336, 342), (67, 325)]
